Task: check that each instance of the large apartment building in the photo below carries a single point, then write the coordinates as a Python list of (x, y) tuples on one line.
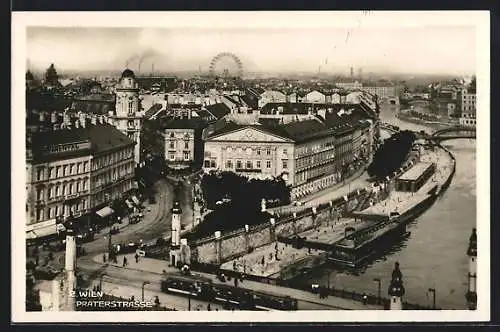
[(85, 164), (312, 153)]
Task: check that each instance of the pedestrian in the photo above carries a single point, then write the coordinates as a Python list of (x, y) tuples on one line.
[(136, 257), (104, 258), (124, 261), (208, 307), (157, 301), (37, 259), (365, 299)]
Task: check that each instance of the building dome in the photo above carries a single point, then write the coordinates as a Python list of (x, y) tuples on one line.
[(128, 73)]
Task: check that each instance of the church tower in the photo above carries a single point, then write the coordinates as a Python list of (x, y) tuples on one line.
[(127, 116), (396, 289), (471, 295)]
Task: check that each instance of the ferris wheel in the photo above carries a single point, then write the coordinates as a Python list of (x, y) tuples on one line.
[(226, 65)]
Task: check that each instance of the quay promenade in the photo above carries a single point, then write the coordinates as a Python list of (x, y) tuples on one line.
[(269, 260), (306, 299)]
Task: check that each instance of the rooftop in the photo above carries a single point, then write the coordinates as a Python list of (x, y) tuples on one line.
[(102, 138), (415, 172), (218, 110)]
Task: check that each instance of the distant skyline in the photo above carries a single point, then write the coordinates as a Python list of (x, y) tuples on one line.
[(418, 50)]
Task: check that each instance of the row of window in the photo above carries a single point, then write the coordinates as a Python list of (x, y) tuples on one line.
[(186, 135), (469, 122), (112, 158), (83, 205), (186, 154), (173, 144), (249, 150), (249, 164), (60, 210), (315, 172), (326, 182), (63, 170), (315, 159), (113, 174), (57, 190)]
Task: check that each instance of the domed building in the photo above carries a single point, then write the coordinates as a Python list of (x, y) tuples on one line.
[(127, 116)]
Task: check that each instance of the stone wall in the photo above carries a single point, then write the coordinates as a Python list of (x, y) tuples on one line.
[(235, 243), (232, 246), (303, 224), (205, 253), (285, 229), (259, 238)]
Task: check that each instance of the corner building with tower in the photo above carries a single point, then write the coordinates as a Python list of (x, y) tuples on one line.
[(128, 113)]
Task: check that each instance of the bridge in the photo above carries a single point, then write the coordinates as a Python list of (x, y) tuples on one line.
[(456, 132)]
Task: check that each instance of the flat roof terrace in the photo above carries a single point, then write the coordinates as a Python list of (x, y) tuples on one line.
[(415, 172), (333, 233), (397, 202)]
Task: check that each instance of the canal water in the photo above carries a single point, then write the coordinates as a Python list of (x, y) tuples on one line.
[(434, 256)]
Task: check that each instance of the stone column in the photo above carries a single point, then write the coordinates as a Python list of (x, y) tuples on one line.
[(218, 247), (294, 221), (272, 229), (263, 207), (247, 239), (314, 215)]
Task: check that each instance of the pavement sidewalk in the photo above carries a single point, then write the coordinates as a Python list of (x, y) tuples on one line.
[(157, 266)]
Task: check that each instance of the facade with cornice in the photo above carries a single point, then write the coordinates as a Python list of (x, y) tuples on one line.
[(310, 154)]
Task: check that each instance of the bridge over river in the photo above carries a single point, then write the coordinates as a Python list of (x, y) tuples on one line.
[(449, 133)]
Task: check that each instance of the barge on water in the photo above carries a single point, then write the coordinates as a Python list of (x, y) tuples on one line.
[(385, 222), (382, 232)]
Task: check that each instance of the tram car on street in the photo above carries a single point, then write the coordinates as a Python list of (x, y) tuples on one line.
[(194, 286), (206, 289), (269, 302)]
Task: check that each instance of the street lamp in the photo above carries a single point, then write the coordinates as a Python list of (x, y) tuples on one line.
[(379, 289), (144, 283), (433, 291), (100, 281)]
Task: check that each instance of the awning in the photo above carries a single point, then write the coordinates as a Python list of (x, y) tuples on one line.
[(135, 200), (105, 212), (41, 232)]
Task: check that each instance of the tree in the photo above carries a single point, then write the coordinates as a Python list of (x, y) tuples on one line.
[(51, 76), (391, 155)]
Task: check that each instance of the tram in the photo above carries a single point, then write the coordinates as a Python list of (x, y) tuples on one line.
[(206, 289)]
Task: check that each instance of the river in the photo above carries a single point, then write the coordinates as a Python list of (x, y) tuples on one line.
[(434, 256)]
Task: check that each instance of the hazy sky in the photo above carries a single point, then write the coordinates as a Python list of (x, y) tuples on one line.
[(446, 50)]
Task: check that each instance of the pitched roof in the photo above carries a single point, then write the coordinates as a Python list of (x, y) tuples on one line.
[(218, 110), (153, 110), (102, 137), (250, 100)]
